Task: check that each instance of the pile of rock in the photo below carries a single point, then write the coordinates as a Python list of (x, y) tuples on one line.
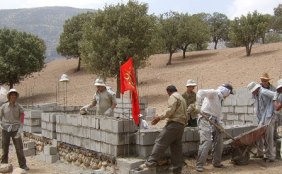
[(85, 158)]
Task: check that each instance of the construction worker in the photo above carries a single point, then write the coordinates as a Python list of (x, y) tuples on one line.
[(278, 96), (265, 82), (190, 97), (264, 110), (104, 99), (10, 123), (171, 135), (209, 102)]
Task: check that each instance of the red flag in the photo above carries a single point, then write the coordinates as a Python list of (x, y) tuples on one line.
[(128, 82)]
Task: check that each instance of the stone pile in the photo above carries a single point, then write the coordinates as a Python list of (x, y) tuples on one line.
[(85, 158)]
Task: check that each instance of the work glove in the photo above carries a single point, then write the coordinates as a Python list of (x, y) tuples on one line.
[(108, 112), (84, 110)]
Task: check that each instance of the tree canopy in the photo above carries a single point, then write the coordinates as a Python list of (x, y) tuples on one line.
[(246, 30), (69, 44), (20, 55), (113, 35), (219, 27)]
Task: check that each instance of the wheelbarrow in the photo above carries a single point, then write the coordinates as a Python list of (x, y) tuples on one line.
[(242, 144)]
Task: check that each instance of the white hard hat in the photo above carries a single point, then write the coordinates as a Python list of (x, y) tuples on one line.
[(64, 78), (253, 86), (191, 82), (12, 91), (99, 82)]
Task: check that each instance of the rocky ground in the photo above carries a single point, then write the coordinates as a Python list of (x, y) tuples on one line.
[(256, 166)]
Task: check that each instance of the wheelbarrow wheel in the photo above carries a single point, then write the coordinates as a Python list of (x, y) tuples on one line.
[(240, 156)]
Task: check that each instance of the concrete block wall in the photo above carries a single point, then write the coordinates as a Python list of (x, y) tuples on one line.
[(145, 139), (238, 109), (32, 121), (107, 135)]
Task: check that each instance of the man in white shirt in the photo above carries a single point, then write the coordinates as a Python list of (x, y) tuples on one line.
[(209, 102)]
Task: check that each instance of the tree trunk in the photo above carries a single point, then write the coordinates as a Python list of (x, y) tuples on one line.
[(170, 57), (79, 64), (118, 85), (184, 51), (249, 49), (215, 44), (11, 85)]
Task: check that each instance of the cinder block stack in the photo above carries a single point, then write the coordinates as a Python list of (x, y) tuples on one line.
[(29, 148), (48, 124), (238, 109), (124, 108), (50, 154), (32, 121)]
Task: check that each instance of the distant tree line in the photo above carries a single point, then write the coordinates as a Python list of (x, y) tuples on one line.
[(103, 40)]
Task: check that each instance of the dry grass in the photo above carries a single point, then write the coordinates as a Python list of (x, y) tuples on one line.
[(211, 68)]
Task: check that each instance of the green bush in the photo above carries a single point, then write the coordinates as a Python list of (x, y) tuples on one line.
[(272, 38)]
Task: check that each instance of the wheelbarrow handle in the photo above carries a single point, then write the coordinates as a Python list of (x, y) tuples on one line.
[(217, 126)]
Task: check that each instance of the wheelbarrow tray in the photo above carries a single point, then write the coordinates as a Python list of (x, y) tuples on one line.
[(247, 138)]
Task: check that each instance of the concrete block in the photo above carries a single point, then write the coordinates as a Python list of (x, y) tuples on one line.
[(45, 117), (187, 135), (241, 109), (29, 144), (144, 151), (77, 141), (52, 117), (43, 125), (51, 126), (196, 135), (50, 150), (86, 121), (95, 145), (232, 117), (146, 171), (238, 122), (86, 143), (225, 109), (147, 136), (190, 148), (29, 152), (32, 121), (33, 114), (95, 134), (126, 164), (251, 110), (231, 109), (31, 129), (51, 158)]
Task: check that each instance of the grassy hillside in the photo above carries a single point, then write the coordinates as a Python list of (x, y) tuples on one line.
[(46, 22)]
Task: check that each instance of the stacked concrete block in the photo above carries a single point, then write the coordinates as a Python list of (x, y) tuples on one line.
[(48, 125), (238, 109), (29, 148), (32, 121), (124, 108), (108, 135), (50, 154)]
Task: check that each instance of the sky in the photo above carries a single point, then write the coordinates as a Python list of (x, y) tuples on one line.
[(232, 8)]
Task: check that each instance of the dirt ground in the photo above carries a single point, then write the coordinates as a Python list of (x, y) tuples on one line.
[(210, 68), (256, 166)]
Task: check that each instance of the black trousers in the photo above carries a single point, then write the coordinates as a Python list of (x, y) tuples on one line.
[(17, 140)]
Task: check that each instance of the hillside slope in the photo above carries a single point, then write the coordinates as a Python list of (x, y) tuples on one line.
[(211, 68), (46, 22)]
